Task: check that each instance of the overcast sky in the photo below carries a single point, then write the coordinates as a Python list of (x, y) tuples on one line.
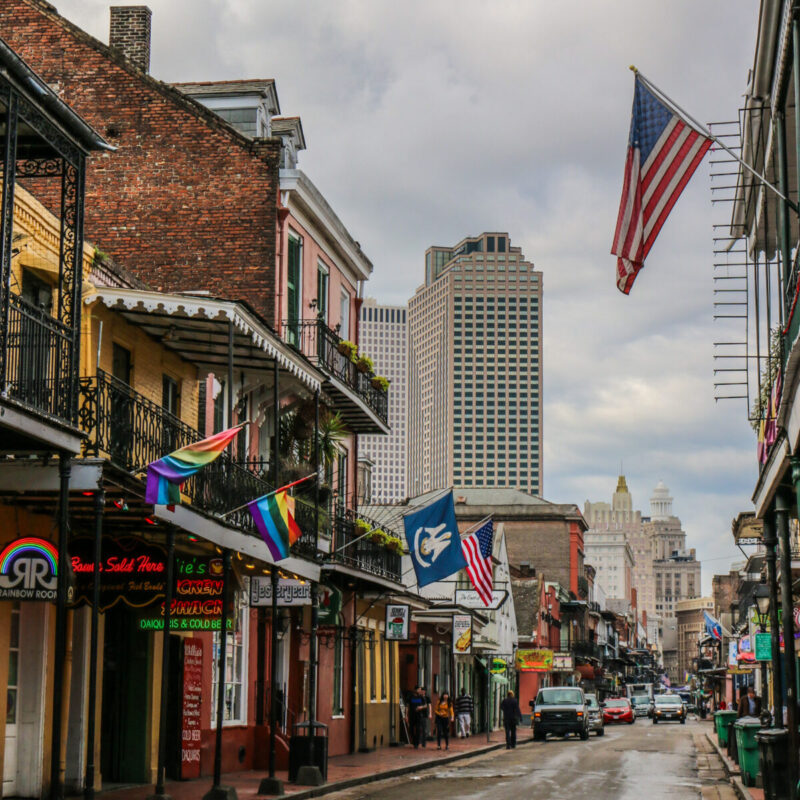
[(428, 121)]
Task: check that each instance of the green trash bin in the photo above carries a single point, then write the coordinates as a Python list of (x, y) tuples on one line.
[(721, 720), (746, 729)]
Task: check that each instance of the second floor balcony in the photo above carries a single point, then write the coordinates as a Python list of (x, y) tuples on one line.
[(131, 431), (362, 405)]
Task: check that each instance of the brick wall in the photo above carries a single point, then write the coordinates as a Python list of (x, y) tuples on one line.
[(545, 544), (185, 202)]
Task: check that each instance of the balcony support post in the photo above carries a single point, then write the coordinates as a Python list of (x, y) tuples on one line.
[(99, 508), (782, 505), (242, 456), (9, 156), (161, 774), (271, 784), (316, 469), (217, 791), (59, 656), (770, 544), (276, 421), (796, 64)]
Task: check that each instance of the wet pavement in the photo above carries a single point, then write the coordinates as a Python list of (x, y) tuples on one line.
[(630, 762)]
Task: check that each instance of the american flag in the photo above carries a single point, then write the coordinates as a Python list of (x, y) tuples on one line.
[(664, 150), (477, 548)]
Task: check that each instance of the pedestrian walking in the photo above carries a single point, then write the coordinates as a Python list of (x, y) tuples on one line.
[(443, 715), (512, 716), (464, 709), (749, 704), (418, 710)]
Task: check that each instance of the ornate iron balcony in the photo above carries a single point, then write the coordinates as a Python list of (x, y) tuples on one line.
[(37, 364), (132, 431), (315, 340), (363, 554)]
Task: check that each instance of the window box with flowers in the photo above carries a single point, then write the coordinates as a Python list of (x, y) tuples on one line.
[(349, 349), (364, 364), (394, 544), (380, 383)]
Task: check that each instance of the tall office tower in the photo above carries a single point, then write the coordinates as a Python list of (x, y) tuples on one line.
[(383, 332), (475, 369)]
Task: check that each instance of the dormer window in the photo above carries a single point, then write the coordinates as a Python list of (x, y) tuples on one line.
[(245, 120)]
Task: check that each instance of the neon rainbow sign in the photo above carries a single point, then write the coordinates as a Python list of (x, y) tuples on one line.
[(29, 570)]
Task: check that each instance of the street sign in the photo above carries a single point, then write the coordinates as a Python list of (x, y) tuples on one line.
[(397, 619), (290, 592), (763, 646)]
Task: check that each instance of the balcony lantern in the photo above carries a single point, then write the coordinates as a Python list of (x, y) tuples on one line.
[(761, 597)]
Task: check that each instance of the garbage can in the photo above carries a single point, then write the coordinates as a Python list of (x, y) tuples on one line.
[(308, 751), (773, 745), (721, 720), (733, 753), (746, 729)]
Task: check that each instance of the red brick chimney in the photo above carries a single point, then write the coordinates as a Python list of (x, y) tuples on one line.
[(130, 34)]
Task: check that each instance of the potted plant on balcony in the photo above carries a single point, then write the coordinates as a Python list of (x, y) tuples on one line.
[(349, 349), (364, 364), (380, 383), (378, 537), (394, 544), (362, 527)]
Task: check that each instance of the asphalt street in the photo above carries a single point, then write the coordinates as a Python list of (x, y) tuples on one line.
[(629, 763)]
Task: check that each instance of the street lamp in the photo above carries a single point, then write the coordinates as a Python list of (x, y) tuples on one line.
[(762, 599)]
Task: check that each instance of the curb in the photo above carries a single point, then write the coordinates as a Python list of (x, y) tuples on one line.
[(731, 772), (740, 789), (338, 786)]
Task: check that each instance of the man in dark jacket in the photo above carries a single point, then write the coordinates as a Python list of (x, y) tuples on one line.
[(749, 704), (511, 717), (419, 705)]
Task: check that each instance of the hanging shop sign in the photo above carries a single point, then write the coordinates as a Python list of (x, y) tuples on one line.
[(763, 646), (132, 571), (498, 666), (733, 654), (462, 634), (534, 660), (191, 707), (330, 605), (398, 617), (29, 570), (563, 662), (290, 592), (469, 598)]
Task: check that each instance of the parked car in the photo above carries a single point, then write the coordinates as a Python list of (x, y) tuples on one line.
[(669, 706), (641, 705), (560, 710), (595, 715), (618, 709)]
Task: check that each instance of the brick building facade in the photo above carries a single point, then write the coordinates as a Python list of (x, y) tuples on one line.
[(186, 202)]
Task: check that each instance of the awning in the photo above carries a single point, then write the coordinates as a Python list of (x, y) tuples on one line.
[(196, 328)]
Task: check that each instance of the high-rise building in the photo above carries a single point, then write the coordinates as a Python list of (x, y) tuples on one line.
[(383, 332), (475, 369)]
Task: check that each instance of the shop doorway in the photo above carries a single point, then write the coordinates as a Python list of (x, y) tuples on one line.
[(127, 657), (22, 764)]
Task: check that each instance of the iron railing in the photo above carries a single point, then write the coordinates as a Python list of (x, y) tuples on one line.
[(361, 553), (584, 649), (36, 367), (133, 431), (315, 340)]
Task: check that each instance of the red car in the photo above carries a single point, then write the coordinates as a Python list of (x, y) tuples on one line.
[(618, 709)]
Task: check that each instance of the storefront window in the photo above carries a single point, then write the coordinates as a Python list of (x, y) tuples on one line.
[(235, 707)]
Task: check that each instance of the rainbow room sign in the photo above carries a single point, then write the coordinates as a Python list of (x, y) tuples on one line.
[(29, 570)]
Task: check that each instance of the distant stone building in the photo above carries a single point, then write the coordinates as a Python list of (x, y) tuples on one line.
[(691, 627)]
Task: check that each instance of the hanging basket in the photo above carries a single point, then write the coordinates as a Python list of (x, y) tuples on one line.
[(364, 364)]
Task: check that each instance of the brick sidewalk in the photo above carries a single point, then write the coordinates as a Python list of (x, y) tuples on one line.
[(343, 771)]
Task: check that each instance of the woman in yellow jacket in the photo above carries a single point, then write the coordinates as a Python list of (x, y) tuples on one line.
[(443, 714)]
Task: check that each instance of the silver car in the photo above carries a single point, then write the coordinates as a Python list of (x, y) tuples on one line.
[(641, 705), (595, 715)]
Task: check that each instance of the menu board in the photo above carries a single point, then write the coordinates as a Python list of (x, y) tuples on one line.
[(190, 707)]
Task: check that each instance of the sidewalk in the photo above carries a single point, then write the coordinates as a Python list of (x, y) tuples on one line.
[(343, 771), (734, 773)]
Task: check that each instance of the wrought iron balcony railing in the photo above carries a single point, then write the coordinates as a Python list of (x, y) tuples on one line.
[(585, 649), (133, 431), (361, 553), (36, 365), (315, 340)]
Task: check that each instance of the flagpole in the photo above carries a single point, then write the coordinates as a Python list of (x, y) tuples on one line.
[(706, 132), (268, 494)]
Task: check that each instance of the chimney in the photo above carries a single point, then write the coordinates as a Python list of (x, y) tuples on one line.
[(130, 34)]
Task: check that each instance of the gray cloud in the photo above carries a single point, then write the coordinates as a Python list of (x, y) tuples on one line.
[(428, 121)]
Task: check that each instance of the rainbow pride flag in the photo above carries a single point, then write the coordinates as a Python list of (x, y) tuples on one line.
[(166, 476), (273, 515)]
